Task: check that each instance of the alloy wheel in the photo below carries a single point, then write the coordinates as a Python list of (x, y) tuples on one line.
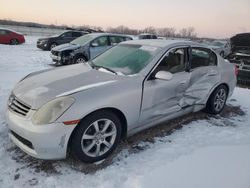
[(98, 138), (220, 99), (80, 60)]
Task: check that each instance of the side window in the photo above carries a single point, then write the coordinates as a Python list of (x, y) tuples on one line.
[(127, 38), (3, 32), (202, 57), (99, 42), (76, 34), (154, 37), (173, 62), (115, 40), (68, 34)]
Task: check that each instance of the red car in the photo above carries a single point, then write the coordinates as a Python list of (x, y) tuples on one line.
[(11, 37)]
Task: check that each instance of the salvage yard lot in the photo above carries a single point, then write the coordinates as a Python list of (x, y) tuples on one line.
[(201, 151)]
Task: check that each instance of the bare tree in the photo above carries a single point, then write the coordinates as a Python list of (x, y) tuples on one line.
[(122, 30), (166, 32), (149, 29), (188, 32)]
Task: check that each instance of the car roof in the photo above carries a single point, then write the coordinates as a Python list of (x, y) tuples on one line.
[(162, 43), (108, 34)]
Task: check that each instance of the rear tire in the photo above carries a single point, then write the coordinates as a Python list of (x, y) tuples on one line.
[(14, 41), (53, 45), (96, 136), (217, 100)]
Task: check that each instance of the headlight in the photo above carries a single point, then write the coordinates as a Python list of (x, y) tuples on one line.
[(52, 110)]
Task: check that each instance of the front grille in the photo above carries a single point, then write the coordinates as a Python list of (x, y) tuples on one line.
[(23, 140), (18, 106)]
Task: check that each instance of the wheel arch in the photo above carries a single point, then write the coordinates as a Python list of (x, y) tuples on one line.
[(214, 88), (116, 111), (80, 55)]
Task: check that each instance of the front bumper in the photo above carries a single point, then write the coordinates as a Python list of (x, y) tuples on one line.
[(42, 45), (40, 141), (61, 60)]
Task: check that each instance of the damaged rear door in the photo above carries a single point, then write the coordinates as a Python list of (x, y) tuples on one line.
[(204, 75)]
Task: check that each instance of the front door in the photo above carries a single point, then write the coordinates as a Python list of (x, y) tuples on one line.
[(98, 46), (163, 97), (65, 38)]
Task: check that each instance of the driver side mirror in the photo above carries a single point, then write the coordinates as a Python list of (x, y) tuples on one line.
[(164, 75), (94, 44)]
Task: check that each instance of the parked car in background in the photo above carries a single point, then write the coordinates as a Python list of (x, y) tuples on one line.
[(11, 37), (147, 36), (53, 41), (86, 47), (221, 47), (241, 56), (88, 108)]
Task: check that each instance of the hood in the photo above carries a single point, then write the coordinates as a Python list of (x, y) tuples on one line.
[(41, 87), (67, 46), (43, 39)]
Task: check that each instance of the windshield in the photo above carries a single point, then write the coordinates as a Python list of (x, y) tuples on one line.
[(82, 40), (126, 59)]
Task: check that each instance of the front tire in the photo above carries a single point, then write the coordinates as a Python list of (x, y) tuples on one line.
[(79, 59), (96, 136), (14, 42), (217, 100)]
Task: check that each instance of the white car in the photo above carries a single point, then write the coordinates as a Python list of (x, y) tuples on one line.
[(135, 85)]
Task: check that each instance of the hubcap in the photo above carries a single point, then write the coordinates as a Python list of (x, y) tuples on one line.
[(98, 138), (220, 99), (80, 60)]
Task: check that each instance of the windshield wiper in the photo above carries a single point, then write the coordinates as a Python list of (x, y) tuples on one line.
[(99, 66)]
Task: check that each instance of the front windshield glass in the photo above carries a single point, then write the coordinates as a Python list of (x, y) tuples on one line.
[(126, 59), (82, 40)]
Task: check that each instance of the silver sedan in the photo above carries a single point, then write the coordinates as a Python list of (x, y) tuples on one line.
[(90, 107)]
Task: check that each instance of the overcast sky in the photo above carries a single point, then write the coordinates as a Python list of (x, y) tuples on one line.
[(211, 18)]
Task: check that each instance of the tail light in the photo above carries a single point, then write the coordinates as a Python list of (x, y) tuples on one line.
[(236, 70)]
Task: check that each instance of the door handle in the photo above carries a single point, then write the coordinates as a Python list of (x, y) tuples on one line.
[(183, 82), (212, 73)]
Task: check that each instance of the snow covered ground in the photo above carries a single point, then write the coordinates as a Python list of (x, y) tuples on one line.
[(207, 152)]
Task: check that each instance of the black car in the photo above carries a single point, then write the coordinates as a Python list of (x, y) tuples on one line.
[(240, 55), (147, 36), (51, 42), (85, 48)]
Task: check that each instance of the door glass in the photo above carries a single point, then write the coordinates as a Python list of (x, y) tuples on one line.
[(115, 40), (66, 35), (100, 42), (202, 57), (173, 62), (3, 32), (77, 34)]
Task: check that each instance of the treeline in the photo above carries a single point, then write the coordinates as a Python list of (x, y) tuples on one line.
[(163, 32)]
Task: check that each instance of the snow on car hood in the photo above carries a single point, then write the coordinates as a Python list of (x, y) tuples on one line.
[(67, 46), (40, 88)]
